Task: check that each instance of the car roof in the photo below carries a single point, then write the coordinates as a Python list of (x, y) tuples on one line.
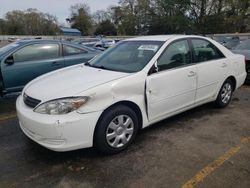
[(31, 41), (162, 38), (46, 41), (40, 40)]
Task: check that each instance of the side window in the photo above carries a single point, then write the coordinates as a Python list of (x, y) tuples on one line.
[(36, 52), (205, 51), (176, 54), (70, 50)]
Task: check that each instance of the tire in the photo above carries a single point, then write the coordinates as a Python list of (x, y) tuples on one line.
[(225, 95), (116, 130)]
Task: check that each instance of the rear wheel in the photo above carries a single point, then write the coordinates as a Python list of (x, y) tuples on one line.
[(116, 129), (225, 95)]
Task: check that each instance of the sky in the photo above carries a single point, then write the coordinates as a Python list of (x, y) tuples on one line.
[(58, 8)]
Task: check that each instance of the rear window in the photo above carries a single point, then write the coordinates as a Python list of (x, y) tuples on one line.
[(70, 50)]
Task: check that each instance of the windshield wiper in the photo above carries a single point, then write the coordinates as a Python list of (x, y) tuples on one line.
[(88, 64), (101, 67), (94, 66)]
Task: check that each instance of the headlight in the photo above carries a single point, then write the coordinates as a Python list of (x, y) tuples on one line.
[(61, 106)]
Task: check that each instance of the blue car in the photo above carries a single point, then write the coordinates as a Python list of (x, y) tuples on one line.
[(25, 60)]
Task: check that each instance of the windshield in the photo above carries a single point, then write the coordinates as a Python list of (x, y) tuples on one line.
[(127, 56), (245, 45), (8, 47)]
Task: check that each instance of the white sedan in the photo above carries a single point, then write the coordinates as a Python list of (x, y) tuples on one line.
[(136, 83)]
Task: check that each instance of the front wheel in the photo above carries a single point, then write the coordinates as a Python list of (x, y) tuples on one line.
[(116, 129), (225, 95)]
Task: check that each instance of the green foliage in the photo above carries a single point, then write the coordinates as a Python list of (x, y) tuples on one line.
[(2, 26), (106, 28), (80, 18), (29, 22), (139, 17)]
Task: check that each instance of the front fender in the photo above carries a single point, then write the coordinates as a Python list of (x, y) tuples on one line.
[(131, 89)]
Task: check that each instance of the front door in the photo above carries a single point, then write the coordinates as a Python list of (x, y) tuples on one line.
[(173, 86)]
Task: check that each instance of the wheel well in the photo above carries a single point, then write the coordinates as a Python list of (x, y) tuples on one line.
[(232, 78), (129, 104)]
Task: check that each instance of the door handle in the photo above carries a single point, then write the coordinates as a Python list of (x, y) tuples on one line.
[(191, 73), (224, 65), (55, 63)]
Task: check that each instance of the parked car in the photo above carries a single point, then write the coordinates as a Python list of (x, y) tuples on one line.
[(105, 43), (87, 41), (230, 44), (90, 42), (12, 39), (228, 41), (221, 39), (130, 86), (25, 60), (244, 49)]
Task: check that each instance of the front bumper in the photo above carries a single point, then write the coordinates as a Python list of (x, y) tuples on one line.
[(57, 132)]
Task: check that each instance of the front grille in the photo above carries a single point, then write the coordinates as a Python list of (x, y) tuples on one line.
[(30, 102)]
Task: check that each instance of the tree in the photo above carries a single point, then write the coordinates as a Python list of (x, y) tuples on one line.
[(116, 16), (101, 16), (170, 16), (30, 22), (106, 28), (2, 26), (80, 18), (237, 15), (139, 17)]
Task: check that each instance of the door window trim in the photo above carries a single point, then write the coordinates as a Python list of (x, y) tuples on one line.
[(187, 65), (189, 39)]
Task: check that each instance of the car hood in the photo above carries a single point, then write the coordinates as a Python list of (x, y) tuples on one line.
[(246, 53), (69, 82)]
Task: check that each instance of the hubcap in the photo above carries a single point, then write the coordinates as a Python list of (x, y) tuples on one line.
[(120, 131), (226, 93)]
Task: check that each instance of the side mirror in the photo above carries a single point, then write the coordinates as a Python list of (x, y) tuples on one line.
[(154, 69), (9, 60)]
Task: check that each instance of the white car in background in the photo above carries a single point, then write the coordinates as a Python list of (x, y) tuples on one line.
[(137, 83), (105, 43)]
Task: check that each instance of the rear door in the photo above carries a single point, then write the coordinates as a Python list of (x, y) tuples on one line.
[(173, 86), (212, 69), (73, 55), (30, 62)]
